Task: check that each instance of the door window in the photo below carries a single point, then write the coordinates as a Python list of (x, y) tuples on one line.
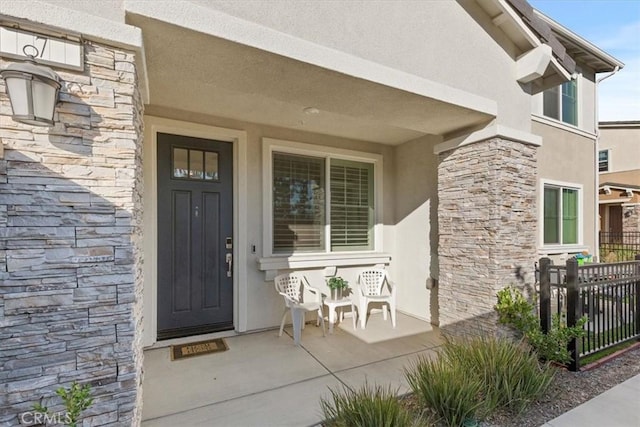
[(197, 165)]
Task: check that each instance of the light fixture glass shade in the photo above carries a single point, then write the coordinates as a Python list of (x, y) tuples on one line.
[(33, 92)]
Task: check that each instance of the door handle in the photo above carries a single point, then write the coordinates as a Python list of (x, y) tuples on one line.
[(229, 260)]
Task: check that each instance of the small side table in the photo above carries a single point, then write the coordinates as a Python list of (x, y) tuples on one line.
[(333, 304)]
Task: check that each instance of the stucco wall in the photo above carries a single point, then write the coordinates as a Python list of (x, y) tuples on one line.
[(452, 43), (415, 258), (110, 9), (265, 306), (440, 41), (569, 157), (624, 144)]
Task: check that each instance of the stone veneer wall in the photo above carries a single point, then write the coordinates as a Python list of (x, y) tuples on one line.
[(70, 245), (487, 223), (631, 218)]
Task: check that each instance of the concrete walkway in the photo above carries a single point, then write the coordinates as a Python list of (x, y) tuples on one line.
[(617, 407), (264, 380)]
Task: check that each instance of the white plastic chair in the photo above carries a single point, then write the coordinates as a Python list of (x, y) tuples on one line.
[(371, 287), (299, 297)]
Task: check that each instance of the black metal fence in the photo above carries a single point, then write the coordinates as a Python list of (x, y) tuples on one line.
[(608, 294), (619, 246)]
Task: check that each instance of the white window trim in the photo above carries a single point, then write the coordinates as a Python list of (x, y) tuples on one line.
[(558, 248), (608, 150), (270, 145)]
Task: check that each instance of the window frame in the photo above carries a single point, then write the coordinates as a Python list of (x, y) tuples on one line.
[(608, 151), (559, 101), (545, 183), (270, 145)]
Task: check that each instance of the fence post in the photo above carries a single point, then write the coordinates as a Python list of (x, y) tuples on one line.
[(574, 311), (637, 307), (545, 294)]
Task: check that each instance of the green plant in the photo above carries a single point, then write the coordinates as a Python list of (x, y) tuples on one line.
[(516, 311), (510, 374), (474, 377), (76, 399), (446, 389), (364, 407), (337, 283)]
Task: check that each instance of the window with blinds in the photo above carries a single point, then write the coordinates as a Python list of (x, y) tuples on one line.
[(351, 205), (603, 161), (300, 206), (298, 203)]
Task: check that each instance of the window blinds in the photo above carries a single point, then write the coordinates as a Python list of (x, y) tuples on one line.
[(298, 203), (351, 205)]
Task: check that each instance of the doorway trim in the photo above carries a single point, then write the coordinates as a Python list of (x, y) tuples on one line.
[(153, 126)]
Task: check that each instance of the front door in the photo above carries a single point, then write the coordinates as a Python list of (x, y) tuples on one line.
[(615, 220), (195, 241)]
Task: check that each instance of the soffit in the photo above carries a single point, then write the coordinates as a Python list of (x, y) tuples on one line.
[(192, 71), (580, 49)]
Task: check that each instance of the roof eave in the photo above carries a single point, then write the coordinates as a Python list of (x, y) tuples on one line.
[(586, 47)]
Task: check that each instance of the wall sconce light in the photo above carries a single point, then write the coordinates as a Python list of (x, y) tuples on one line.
[(33, 91)]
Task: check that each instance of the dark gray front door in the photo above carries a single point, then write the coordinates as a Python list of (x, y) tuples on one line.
[(195, 225)]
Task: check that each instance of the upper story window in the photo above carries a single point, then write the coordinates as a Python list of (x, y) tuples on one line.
[(320, 202), (561, 103), (562, 213), (603, 161)]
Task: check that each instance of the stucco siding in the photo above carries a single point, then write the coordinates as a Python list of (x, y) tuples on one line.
[(569, 158), (631, 177), (264, 305), (624, 144), (439, 41), (112, 10), (416, 232)]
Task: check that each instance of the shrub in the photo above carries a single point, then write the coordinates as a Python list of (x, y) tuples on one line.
[(510, 375), (474, 377), (445, 388), (514, 310), (364, 407)]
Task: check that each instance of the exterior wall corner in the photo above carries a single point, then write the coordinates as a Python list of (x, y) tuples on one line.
[(71, 246), (487, 220)]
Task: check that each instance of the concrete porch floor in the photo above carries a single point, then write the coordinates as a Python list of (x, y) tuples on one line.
[(264, 380)]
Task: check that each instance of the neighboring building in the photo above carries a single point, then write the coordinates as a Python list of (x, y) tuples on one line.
[(200, 148), (619, 169)]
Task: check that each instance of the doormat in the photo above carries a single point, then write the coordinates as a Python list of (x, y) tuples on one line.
[(182, 351)]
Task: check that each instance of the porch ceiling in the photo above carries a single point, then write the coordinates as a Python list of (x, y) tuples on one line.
[(193, 71)]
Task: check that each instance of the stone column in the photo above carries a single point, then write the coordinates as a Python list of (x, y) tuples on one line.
[(70, 245), (631, 218), (487, 221)]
